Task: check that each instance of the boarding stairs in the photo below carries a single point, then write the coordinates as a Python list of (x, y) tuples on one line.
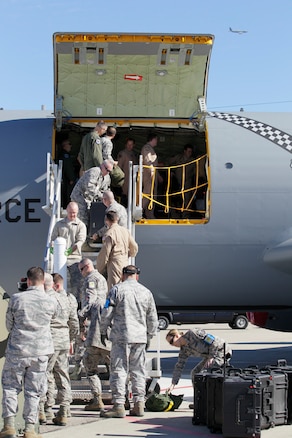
[(54, 210), (81, 393)]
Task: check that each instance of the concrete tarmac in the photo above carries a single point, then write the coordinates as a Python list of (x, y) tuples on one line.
[(253, 346)]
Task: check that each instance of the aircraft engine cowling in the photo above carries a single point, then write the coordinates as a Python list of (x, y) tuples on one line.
[(279, 254)]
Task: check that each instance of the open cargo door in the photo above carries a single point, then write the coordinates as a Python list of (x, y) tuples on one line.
[(138, 83)]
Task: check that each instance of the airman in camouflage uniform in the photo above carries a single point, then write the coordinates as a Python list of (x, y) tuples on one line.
[(107, 144), (94, 286), (74, 232), (131, 312), (89, 188), (197, 343), (94, 297), (111, 204), (64, 328), (30, 343)]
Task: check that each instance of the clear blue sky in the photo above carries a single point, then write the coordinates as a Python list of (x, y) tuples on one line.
[(252, 70)]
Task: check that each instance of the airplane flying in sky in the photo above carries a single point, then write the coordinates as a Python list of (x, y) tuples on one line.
[(222, 242), (237, 31)]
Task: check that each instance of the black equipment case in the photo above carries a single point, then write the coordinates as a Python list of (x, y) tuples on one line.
[(274, 398), (205, 394), (241, 403), (96, 217), (254, 400), (200, 398), (241, 406), (215, 400), (284, 367)]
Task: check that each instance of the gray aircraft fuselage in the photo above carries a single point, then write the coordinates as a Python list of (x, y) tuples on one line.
[(223, 263)]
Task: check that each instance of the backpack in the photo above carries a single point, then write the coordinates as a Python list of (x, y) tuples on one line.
[(159, 402), (117, 177)]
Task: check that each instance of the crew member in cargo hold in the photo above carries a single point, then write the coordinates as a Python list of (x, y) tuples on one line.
[(90, 154), (149, 173)]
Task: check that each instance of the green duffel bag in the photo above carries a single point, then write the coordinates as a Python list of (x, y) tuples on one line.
[(159, 403), (117, 177)]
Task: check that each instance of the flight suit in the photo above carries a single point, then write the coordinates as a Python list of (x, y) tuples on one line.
[(124, 157), (74, 232), (118, 245), (149, 159), (90, 154)]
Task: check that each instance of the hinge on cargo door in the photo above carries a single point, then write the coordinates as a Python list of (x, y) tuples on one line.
[(198, 118)]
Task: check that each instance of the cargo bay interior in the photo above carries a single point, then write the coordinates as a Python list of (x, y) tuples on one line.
[(169, 203)]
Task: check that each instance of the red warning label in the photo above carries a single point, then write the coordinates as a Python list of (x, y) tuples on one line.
[(133, 77)]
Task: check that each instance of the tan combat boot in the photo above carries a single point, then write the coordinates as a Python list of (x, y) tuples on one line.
[(8, 432), (95, 405), (42, 415), (118, 411), (49, 413), (138, 409), (31, 434), (61, 417), (42, 418)]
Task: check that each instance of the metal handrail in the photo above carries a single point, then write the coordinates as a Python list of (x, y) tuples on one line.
[(53, 208)]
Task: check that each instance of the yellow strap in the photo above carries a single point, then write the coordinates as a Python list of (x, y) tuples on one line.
[(171, 403)]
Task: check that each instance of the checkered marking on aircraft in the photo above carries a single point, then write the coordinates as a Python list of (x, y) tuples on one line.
[(275, 135)]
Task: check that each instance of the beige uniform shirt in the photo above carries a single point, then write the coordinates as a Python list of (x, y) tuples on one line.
[(118, 246)]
